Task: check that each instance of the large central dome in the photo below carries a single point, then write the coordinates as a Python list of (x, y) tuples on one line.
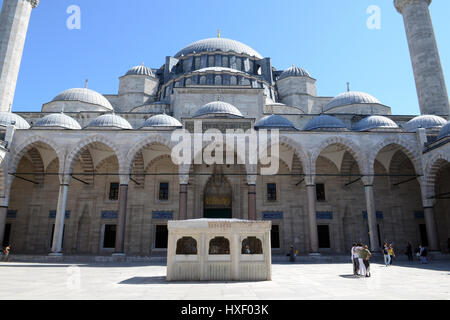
[(218, 44)]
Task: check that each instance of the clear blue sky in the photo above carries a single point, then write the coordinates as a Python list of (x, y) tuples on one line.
[(328, 38)]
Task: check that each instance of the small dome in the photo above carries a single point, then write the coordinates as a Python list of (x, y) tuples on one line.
[(57, 121), (445, 131), (375, 122), (112, 121), (274, 122), (324, 122), (424, 121), (9, 118), (218, 109), (162, 121), (218, 44), (294, 72), (140, 71), (84, 95), (351, 97)]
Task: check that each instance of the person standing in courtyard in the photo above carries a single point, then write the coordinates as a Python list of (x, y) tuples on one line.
[(354, 257), (6, 253), (366, 257), (292, 255), (386, 254), (361, 255), (409, 252), (391, 254), (423, 254)]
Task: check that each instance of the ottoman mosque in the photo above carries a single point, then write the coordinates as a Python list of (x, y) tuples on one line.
[(92, 174)]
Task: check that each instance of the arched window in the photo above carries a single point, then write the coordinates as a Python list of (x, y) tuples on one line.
[(218, 80), (238, 64), (219, 245), (203, 80), (233, 80), (252, 245), (197, 63), (187, 245), (225, 62), (211, 61)]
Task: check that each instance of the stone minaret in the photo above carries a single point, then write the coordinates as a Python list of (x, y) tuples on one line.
[(430, 82), (14, 20)]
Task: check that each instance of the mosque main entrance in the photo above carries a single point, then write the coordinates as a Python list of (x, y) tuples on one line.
[(218, 198)]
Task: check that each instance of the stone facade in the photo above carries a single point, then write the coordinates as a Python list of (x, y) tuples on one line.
[(112, 188)]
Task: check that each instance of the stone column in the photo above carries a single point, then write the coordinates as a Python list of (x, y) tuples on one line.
[(430, 221), (121, 220), (14, 19), (3, 216), (430, 83), (59, 223), (312, 218), (371, 214), (428, 202), (183, 202), (251, 202)]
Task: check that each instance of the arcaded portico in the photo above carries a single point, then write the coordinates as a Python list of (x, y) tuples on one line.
[(93, 174)]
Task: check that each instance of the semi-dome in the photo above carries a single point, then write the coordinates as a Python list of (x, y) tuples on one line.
[(161, 121), (218, 44), (218, 109), (350, 98), (445, 131), (9, 118), (78, 99), (424, 121), (140, 71), (294, 72), (375, 122), (324, 122), (274, 122), (110, 121), (57, 121)]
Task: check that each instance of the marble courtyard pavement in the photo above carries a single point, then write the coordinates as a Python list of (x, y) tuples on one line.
[(296, 281)]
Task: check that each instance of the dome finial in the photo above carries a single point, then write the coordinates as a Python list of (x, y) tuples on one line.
[(218, 33), (86, 83), (348, 86)]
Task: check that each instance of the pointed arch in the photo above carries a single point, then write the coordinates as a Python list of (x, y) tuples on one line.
[(410, 151), (19, 151), (84, 144), (137, 148), (349, 146)]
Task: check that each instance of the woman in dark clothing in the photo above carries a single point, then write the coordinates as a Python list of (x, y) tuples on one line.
[(409, 252)]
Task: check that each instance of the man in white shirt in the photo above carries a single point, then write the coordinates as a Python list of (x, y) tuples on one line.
[(354, 257)]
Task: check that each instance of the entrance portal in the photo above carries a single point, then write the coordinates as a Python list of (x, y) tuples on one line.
[(218, 198)]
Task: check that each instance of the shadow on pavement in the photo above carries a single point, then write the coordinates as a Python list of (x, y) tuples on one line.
[(162, 280), (348, 276)]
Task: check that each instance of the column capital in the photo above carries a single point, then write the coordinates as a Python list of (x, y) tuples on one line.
[(184, 179), (401, 4), (428, 203), (64, 179), (34, 3), (251, 180), (367, 180)]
